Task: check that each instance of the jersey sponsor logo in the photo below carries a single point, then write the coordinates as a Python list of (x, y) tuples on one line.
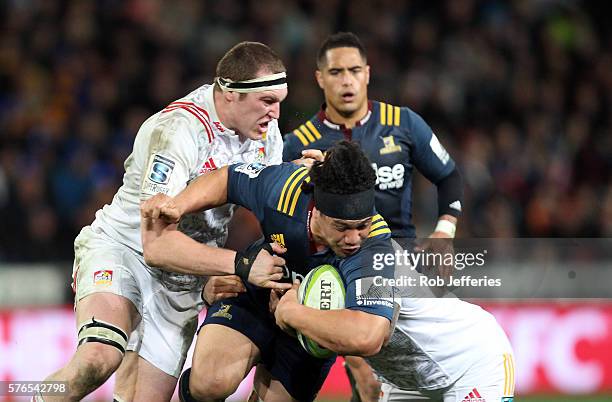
[(368, 301), (366, 298), (455, 205), (438, 149), (389, 177), (251, 169), (389, 146), (103, 277), (474, 396), (223, 311), (278, 238), (261, 154), (153, 188), (161, 169), (208, 166)]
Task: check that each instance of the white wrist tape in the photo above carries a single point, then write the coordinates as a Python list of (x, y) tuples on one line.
[(447, 227)]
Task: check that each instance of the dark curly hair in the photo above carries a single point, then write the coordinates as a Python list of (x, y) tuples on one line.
[(345, 170)]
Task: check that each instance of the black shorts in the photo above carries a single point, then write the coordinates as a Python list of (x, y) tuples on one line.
[(301, 374)]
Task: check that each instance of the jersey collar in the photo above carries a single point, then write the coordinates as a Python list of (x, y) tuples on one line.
[(322, 116), (312, 245), (209, 98)]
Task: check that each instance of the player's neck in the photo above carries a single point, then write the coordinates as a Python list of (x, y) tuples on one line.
[(223, 114), (348, 120)]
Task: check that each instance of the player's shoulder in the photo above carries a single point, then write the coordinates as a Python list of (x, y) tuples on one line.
[(378, 243), (281, 185), (387, 114), (191, 110), (306, 133), (287, 191), (379, 237), (276, 175), (379, 228)]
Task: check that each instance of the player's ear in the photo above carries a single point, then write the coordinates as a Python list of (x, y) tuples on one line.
[(316, 213), (319, 77), (230, 96), (367, 71)]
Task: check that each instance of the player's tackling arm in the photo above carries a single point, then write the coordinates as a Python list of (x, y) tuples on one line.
[(206, 191), (345, 331), (169, 249), (166, 247)]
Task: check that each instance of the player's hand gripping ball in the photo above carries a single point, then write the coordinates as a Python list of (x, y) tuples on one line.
[(322, 289)]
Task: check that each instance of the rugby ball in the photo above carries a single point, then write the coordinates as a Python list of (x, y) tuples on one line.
[(323, 289)]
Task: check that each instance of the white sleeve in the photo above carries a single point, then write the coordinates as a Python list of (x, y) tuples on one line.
[(171, 155), (274, 143)]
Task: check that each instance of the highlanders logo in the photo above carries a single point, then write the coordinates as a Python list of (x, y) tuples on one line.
[(390, 146), (223, 311)]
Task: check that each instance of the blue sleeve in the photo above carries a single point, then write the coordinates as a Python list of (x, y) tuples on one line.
[(292, 148), (429, 156), (365, 275), (248, 184)]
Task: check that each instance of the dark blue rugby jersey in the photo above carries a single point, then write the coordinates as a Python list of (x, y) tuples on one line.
[(274, 194), (396, 140)]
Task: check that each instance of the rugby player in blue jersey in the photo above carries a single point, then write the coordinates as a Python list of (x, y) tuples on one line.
[(322, 216), (395, 139)]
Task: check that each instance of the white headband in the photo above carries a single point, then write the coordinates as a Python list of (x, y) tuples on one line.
[(265, 83)]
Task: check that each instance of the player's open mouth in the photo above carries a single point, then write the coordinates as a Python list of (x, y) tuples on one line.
[(347, 97), (349, 250), (263, 127)]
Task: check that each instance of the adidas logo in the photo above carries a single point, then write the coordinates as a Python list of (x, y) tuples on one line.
[(473, 396), (455, 205)]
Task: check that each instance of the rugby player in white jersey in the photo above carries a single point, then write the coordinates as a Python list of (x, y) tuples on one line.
[(441, 349), (127, 311)]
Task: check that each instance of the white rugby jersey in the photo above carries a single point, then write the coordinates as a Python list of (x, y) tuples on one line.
[(436, 340), (173, 147)]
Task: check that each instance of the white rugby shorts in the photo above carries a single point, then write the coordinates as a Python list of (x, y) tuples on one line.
[(491, 379), (168, 303)]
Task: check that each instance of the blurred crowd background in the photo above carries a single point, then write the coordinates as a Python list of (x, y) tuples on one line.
[(519, 92)]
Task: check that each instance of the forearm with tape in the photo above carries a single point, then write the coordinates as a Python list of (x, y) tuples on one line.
[(244, 261)]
